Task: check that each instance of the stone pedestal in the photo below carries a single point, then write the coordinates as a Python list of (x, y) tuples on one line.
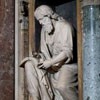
[(91, 49)]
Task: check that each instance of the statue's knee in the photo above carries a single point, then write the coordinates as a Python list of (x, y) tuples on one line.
[(30, 69), (28, 65)]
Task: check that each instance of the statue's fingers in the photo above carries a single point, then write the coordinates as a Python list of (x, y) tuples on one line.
[(41, 66)]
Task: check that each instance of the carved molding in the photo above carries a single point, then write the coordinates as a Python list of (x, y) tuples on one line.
[(90, 2)]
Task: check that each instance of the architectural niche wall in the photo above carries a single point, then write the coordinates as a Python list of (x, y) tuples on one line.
[(6, 49)]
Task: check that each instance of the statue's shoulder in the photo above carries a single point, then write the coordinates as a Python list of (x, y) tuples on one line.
[(64, 24)]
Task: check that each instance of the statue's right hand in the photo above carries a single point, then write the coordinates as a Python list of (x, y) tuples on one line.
[(35, 54)]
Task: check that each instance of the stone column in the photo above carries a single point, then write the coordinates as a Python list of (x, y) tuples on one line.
[(7, 35), (91, 49)]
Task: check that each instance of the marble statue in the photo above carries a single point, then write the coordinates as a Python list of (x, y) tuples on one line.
[(51, 73)]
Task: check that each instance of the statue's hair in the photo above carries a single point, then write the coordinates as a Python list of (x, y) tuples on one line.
[(42, 10), (45, 10)]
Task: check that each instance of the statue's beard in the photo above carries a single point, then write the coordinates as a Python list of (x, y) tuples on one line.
[(48, 28)]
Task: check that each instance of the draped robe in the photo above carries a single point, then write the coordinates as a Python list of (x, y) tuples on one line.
[(52, 45)]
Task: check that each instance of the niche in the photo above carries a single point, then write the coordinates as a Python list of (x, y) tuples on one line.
[(27, 35)]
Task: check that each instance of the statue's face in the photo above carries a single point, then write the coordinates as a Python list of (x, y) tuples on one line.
[(46, 23)]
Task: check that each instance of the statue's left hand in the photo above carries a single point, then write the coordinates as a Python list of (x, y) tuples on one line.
[(45, 65)]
